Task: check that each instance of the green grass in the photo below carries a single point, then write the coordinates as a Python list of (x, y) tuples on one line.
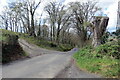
[(88, 59), (6, 34), (48, 44), (2, 38)]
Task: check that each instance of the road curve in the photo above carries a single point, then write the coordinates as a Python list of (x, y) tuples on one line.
[(42, 66), (48, 65)]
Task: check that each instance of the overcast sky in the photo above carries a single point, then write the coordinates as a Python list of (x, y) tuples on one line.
[(109, 7)]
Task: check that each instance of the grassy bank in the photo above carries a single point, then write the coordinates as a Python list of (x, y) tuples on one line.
[(11, 50), (104, 60), (45, 43), (34, 40)]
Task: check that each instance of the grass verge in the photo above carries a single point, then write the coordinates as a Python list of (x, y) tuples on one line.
[(106, 62)]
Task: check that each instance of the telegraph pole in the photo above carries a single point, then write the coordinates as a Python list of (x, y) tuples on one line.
[(118, 16)]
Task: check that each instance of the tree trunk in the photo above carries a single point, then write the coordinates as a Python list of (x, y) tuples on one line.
[(6, 24), (100, 25), (13, 26), (21, 29), (51, 33), (32, 31), (39, 31), (58, 33), (28, 22), (10, 24)]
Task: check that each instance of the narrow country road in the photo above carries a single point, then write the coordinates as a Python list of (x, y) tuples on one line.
[(48, 65)]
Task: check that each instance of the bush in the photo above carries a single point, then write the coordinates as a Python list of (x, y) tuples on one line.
[(53, 44), (109, 49), (65, 47)]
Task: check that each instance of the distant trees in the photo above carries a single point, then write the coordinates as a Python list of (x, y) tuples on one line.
[(44, 31), (67, 24), (51, 10), (82, 14), (22, 12), (4, 18), (15, 15), (58, 17)]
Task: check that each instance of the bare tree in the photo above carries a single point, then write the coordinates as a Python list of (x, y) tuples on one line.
[(32, 8), (52, 12), (62, 19), (82, 14), (58, 18)]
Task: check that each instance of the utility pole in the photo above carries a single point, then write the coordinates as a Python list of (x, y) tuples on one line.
[(118, 16)]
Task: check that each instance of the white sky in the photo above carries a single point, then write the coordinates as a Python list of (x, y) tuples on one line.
[(109, 8)]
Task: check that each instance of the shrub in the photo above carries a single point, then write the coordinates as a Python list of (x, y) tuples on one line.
[(65, 47), (109, 49)]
